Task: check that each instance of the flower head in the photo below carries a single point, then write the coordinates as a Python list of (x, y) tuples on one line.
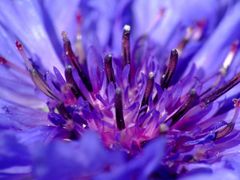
[(133, 80)]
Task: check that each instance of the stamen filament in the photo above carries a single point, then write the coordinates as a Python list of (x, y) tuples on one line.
[(171, 67), (126, 45), (222, 90), (149, 88), (119, 110), (184, 108), (11, 65), (69, 77), (35, 74), (74, 61), (228, 129), (109, 68), (229, 58)]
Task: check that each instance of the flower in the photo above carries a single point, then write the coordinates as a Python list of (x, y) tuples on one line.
[(109, 92)]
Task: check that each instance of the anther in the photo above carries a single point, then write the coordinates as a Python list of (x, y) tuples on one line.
[(126, 45), (171, 67), (108, 68), (41, 84), (8, 64), (19, 46), (191, 100), (78, 45), (119, 110), (222, 90), (35, 74), (230, 57), (27, 61), (230, 126), (156, 20), (198, 30), (186, 39), (3, 61), (149, 88), (69, 77), (74, 61)]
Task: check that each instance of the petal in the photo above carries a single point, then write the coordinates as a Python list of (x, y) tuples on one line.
[(26, 26), (63, 15), (225, 34), (71, 160), (12, 153)]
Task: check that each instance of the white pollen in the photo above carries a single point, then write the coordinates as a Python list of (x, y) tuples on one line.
[(151, 75), (127, 27)]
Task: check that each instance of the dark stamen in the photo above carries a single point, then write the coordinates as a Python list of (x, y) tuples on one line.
[(74, 61), (167, 76), (229, 58), (19, 46), (69, 77), (225, 131), (149, 88), (41, 84), (9, 64), (230, 126), (109, 68), (126, 45), (183, 109), (119, 110), (185, 40), (35, 74), (222, 90), (3, 61)]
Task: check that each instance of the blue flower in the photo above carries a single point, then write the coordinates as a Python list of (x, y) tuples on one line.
[(119, 89)]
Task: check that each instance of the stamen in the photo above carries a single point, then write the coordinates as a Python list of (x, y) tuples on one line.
[(149, 88), (229, 59), (222, 90), (126, 45), (156, 20), (228, 129), (225, 67), (185, 40), (41, 84), (73, 60), (109, 68), (183, 109), (79, 46), (68, 50), (79, 18), (119, 110), (35, 74), (171, 67), (79, 49), (3, 61), (198, 30), (69, 77), (20, 48), (11, 65)]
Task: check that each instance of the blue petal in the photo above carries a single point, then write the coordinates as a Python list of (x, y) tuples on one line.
[(71, 160), (142, 165), (63, 16), (20, 118), (177, 14), (225, 34), (220, 174), (12, 153), (27, 26)]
